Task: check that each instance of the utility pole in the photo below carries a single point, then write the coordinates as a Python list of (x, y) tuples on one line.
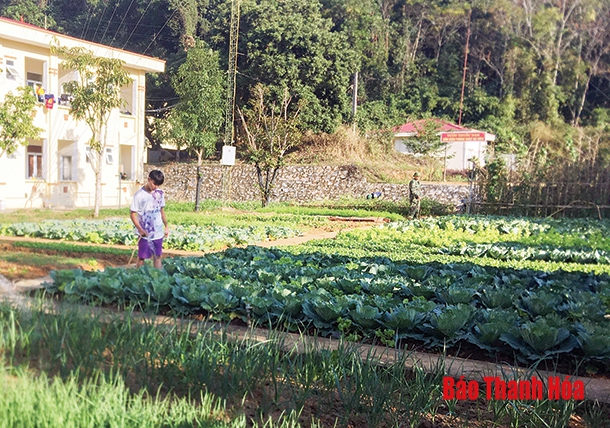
[(465, 67), (232, 73), (228, 149), (355, 100)]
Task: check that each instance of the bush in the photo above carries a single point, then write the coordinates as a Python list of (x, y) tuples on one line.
[(435, 208)]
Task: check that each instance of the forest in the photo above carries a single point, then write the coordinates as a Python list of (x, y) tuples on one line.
[(533, 72)]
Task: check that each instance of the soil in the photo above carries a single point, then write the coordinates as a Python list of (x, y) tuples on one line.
[(23, 266)]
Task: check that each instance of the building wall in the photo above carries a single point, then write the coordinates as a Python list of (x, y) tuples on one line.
[(67, 178), (294, 183), (458, 153)]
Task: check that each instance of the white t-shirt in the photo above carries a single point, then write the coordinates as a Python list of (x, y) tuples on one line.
[(148, 206)]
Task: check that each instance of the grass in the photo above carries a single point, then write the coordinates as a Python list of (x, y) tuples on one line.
[(99, 401), (374, 154), (20, 261), (70, 248), (65, 367), (224, 214), (182, 360)]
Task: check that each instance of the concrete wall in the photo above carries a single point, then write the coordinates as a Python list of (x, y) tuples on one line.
[(294, 183)]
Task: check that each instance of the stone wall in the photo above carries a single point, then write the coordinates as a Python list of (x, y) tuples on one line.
[(302, 183)]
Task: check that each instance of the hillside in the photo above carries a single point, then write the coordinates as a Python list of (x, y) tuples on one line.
[(375, 155)]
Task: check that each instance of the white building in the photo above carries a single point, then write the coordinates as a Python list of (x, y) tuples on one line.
[(460, 144), (54, 170)]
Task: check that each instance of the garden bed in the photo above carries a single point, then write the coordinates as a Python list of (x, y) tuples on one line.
[(436, 285), (31, 262)]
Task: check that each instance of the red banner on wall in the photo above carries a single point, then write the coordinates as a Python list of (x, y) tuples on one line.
[(451, 137)]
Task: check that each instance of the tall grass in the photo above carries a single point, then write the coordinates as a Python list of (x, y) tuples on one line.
[(29, 400), (179, 361), (109, 370)]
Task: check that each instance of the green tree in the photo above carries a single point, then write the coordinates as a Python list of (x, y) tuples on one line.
[(17, 121), (427, 139), (289, 44), (197, 120), (95, 95), (269, 131), (30, 11)]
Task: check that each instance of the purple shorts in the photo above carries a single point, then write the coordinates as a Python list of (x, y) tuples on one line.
[(149, 248)]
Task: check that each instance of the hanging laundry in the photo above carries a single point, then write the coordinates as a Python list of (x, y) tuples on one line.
[(40, 92), (49, 100)]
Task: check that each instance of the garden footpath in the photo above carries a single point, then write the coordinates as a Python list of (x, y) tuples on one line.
[(595, 388)]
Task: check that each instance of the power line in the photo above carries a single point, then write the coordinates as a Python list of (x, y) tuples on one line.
[(137, 23), (159, 32), (162, 99), (121, 24), (161, 109), (99, 22), (252, 78), (116, 6), (599, 90), (87, 21)]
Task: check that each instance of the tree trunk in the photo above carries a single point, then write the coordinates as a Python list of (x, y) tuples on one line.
[(265, 183), (592, 70), (98, 186), (103, 136), (198, 186), (263, 186)]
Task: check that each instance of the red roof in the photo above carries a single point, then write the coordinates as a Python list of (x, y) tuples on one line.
[(418, 125)]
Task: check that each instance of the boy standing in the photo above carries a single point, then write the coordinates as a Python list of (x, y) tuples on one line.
[(148, 216)]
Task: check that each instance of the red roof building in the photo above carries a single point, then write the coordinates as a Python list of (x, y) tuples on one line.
[(462, 144)]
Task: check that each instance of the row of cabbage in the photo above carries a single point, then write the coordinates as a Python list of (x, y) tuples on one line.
[(476, 224), (458, 238), (533, 314), (121, 231), (511, 251)]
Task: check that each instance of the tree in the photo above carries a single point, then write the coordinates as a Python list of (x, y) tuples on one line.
[(95, 95), (427, 139), (30, 11), (17, 120), (594, 38), (197, 120), (270, 131), (289, 44)]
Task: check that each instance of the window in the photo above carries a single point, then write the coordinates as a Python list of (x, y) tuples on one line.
[(33, 79), (65, 166), (11, 71), (88, 154), (34, 159), (109, 157)]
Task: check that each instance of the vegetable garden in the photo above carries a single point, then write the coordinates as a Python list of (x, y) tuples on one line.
[(189, 238), (407, 281), (534, 292)]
